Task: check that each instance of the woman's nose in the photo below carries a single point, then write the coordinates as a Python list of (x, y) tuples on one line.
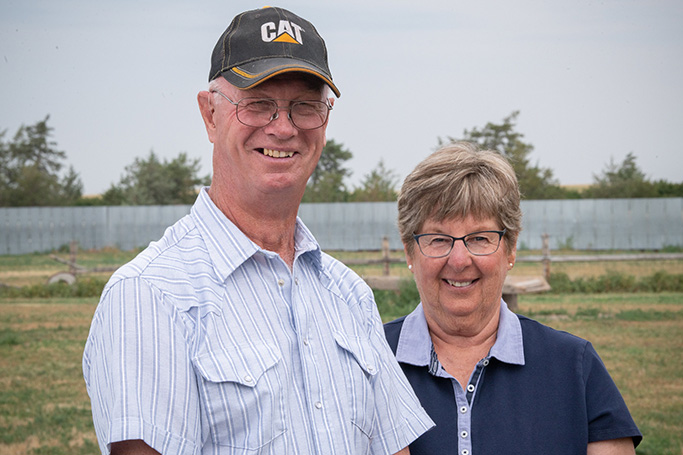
[(459, 256)]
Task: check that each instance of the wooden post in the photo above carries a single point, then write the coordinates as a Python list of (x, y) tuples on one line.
[(511, 300), (73, 249), (546, 256), (385, 255)]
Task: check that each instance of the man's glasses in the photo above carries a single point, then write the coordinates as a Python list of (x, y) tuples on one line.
[(259, 112), (479, 243)]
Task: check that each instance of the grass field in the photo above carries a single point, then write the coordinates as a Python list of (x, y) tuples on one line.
[(44, 408)]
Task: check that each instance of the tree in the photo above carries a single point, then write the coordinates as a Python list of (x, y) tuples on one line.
[(153, 182), (668, 189), (534, 182), (327, 181), (623, 180), (377, 186), (30, 168)]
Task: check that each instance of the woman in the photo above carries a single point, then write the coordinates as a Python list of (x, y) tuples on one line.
[(494, 382)]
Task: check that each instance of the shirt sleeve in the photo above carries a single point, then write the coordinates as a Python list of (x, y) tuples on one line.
[(138, 372), (399, 415), (608, 415)]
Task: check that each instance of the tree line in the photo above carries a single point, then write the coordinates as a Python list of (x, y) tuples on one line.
[(33, 172)]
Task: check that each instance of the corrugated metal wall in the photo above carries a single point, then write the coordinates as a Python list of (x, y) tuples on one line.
[(585, 224)]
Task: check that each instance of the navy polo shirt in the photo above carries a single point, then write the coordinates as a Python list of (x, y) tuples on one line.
[(538, 391)]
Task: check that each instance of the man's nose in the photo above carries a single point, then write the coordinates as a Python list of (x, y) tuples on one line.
[(281, 123)]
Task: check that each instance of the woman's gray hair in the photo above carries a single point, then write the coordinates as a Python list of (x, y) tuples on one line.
[(456, 181)]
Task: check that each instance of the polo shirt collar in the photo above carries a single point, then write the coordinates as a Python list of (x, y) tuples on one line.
[(415, 345), (509, 346), (228, 247)]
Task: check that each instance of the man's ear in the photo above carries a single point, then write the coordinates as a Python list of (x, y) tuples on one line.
[(207, 110)]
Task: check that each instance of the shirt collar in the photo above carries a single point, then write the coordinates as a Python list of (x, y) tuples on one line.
[(229, 247), (415, 344), (509, 346)]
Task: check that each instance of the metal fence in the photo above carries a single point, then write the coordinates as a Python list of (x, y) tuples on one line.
[(585, 224)]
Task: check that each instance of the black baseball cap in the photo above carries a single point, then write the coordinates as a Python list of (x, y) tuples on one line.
[(266, 42)]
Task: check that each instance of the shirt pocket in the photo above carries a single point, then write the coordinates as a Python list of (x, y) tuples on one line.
[(242, 395), (364, 369)]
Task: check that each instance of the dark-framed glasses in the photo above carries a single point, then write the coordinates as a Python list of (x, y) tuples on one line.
[(480, 243), (259, 112)]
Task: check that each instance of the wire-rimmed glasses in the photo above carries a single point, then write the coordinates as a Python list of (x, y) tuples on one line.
[(259, 112)]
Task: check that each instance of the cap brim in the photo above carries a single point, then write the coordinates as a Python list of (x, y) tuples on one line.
[(253, 73)]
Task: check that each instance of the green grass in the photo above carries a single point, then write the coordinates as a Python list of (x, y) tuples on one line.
[(44, 408)]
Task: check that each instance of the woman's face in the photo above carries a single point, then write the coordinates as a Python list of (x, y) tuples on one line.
[(461, 292)]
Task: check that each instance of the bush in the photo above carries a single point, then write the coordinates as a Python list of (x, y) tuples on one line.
[(393, 304), (614, 282), (662, 282), (83, 287), (560, 283)]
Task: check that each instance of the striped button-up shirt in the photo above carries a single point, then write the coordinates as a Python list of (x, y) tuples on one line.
[(206, 343)]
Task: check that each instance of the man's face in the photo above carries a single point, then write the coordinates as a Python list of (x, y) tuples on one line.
[(275, 158)]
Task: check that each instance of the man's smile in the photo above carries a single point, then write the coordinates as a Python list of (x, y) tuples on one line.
[(276, 153)]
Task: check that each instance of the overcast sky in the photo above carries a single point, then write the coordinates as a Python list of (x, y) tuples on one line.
[(593, 80)]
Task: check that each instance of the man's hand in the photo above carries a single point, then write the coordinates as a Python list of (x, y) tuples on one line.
[(132, 447)]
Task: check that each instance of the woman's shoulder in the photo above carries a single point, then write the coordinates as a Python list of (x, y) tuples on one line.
[(540, 334)]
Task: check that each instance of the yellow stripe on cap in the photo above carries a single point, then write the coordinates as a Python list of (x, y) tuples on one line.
[(282, 71)]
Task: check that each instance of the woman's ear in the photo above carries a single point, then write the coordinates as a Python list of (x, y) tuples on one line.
[(408, 258), (512, 256)]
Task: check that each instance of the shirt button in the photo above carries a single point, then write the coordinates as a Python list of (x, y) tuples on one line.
[(248, 379), (318, 405), (463, 409), (470, 388), (281, 282), (465, 452), (463, 434), (296, 281), (370, 368), (486, 362), (306, 341)]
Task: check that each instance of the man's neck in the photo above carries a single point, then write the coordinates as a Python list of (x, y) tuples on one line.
[(270, 222)]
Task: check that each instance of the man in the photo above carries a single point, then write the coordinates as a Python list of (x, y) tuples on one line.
[(234, 333)]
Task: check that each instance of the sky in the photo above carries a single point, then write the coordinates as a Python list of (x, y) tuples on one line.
[(592, 80)]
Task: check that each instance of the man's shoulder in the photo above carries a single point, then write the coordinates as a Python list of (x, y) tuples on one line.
[(340, 273), (180, 247)]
